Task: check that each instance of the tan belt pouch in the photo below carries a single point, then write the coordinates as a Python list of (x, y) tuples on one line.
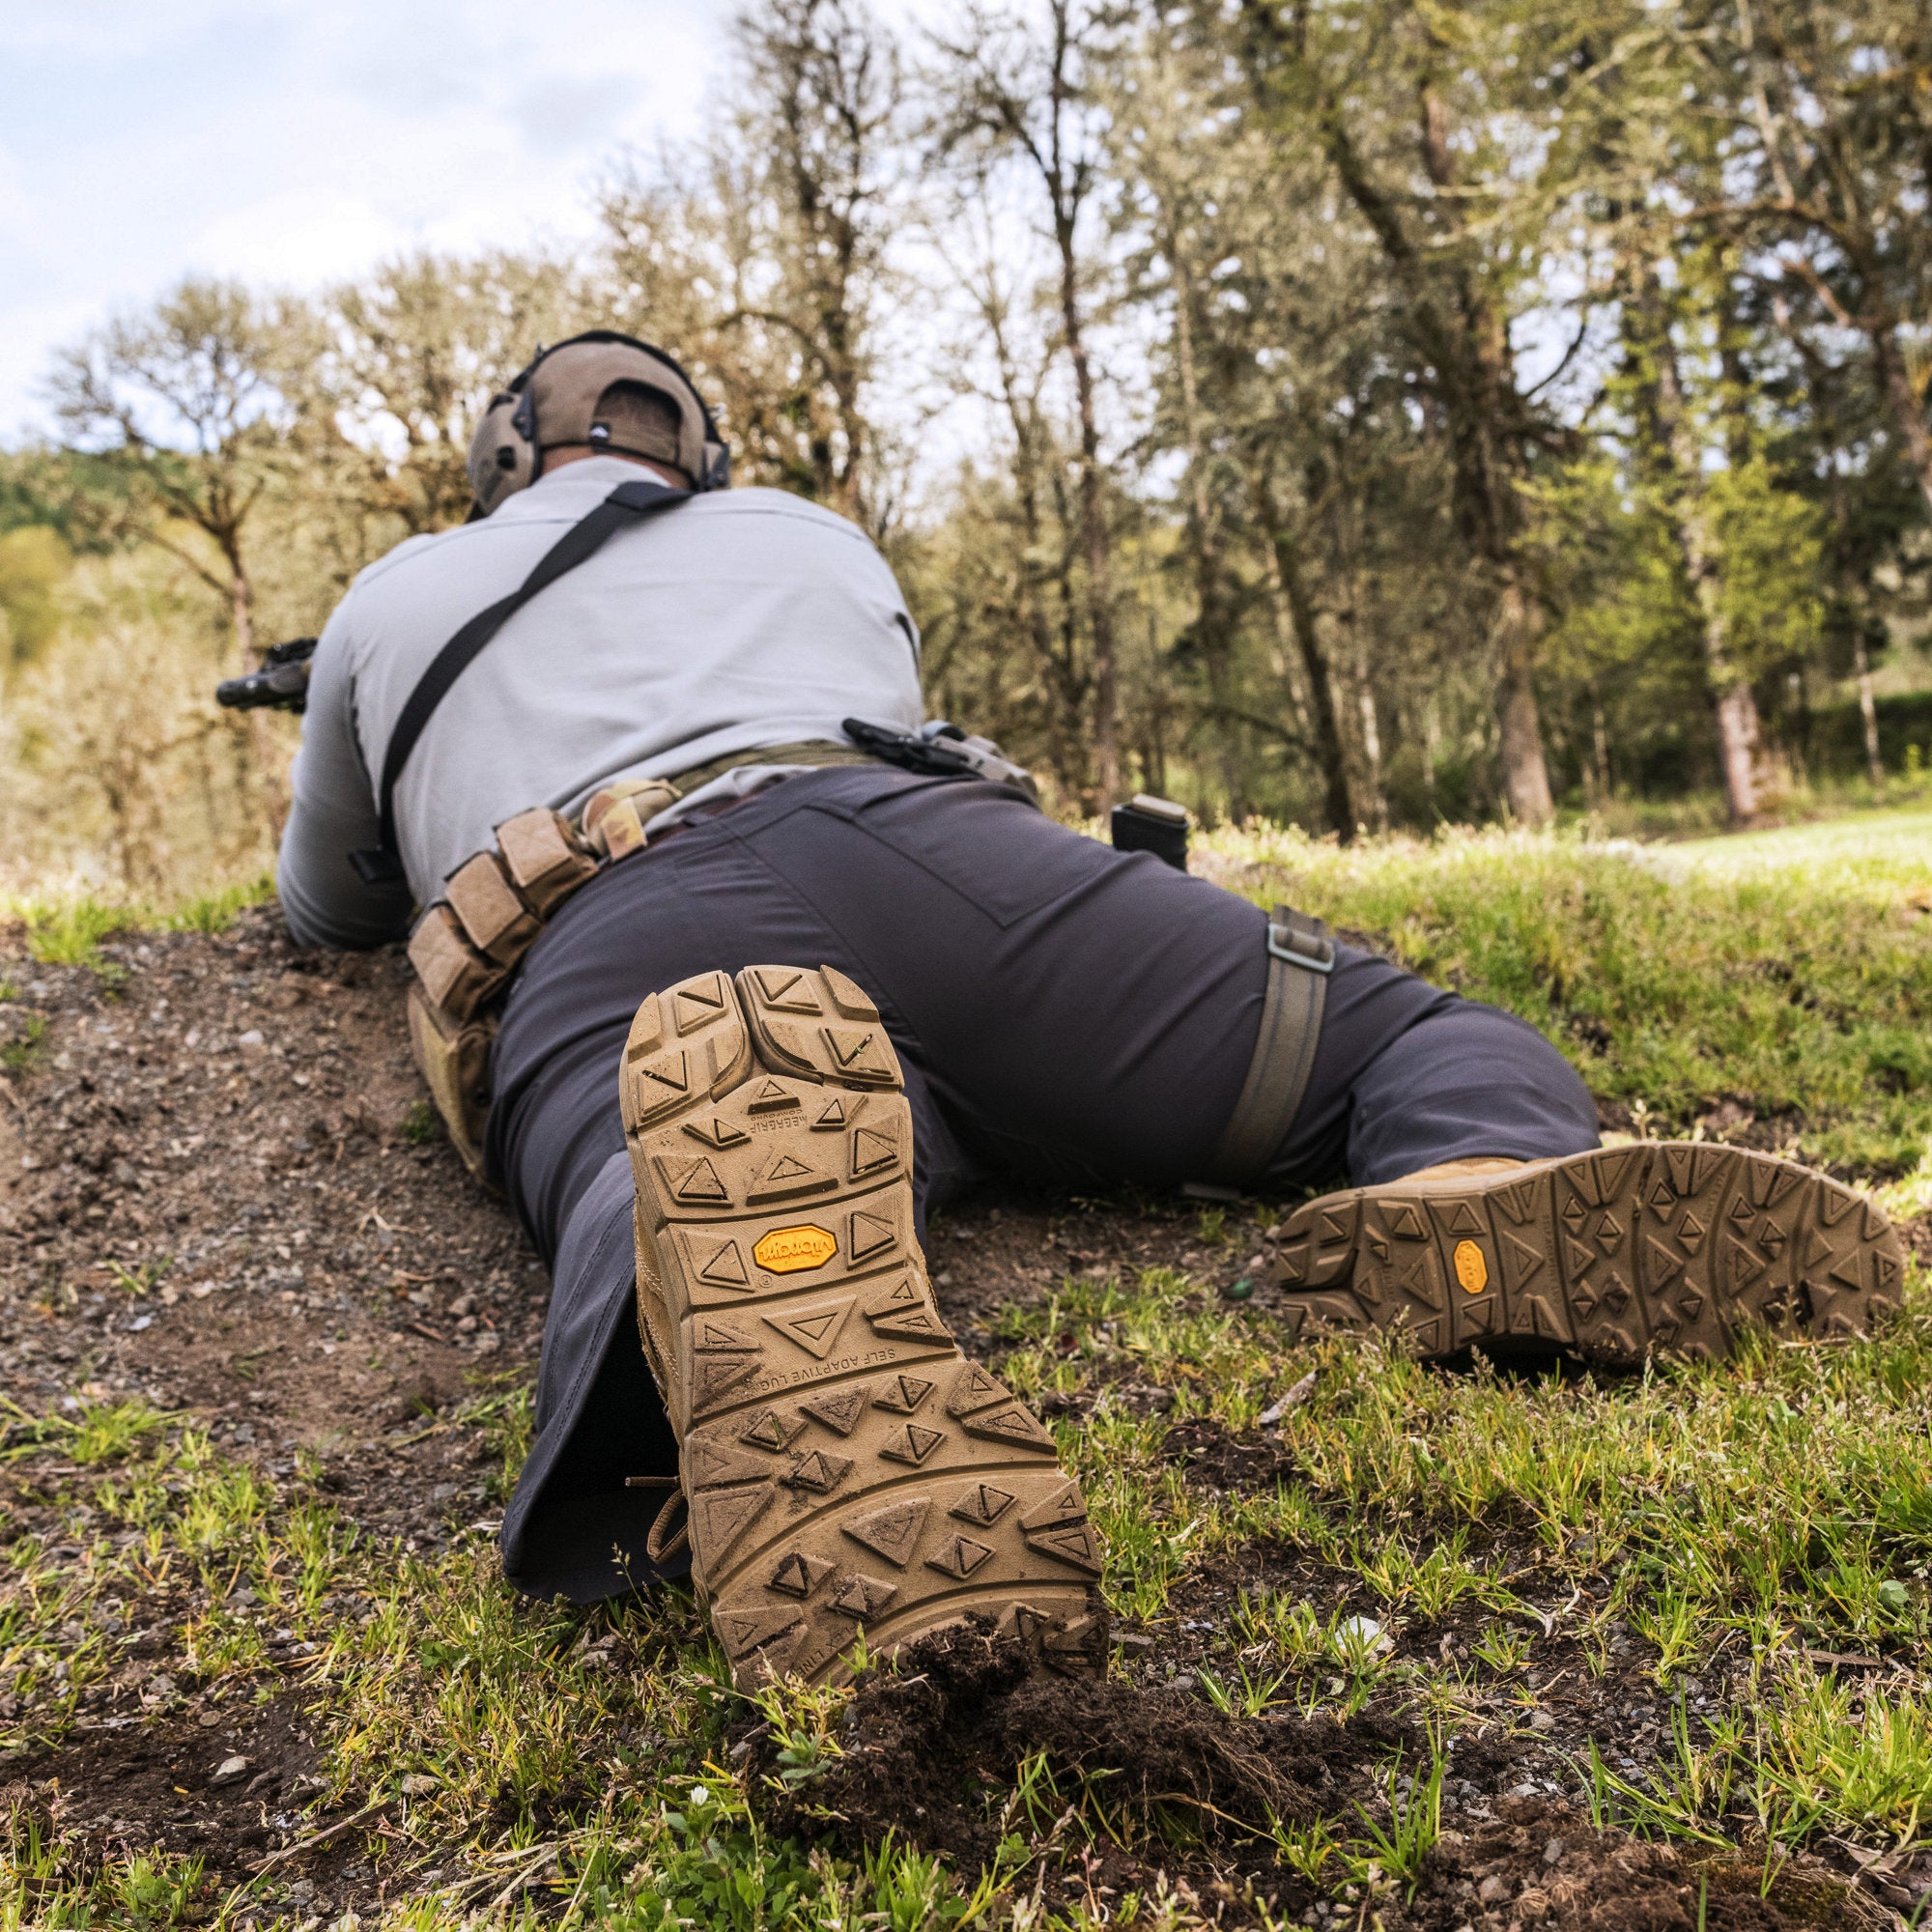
[(467, 942), (454, 1062)]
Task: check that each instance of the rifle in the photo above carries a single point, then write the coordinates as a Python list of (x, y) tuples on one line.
[(282, 682)]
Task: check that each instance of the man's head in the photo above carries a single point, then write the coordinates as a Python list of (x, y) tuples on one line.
[(598, 393)]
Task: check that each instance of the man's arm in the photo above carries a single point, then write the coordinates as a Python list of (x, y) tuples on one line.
[(323, 900)]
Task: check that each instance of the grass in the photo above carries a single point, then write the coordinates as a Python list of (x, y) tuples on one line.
[(70, 929), (20, 1053), (1707, 815), (1793, 983), (1895, 841), (1456, 1546)]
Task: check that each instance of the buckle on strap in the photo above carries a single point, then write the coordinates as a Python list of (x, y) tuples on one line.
[(1300, 941)]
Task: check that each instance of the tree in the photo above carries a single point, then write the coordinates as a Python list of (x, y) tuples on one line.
[(182, 404), (1675, 450), (998, 581), (1172, 163), (1829, 166), (396, 368), (34, 563), (762, 259), (1428, 163), (1012, 85)]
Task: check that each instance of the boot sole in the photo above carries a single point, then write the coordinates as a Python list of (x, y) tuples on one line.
[(1668, 1247), (849, 1472)]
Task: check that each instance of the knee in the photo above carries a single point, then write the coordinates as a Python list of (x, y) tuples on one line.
[(1491, 1050)]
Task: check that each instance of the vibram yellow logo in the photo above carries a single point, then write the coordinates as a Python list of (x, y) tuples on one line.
[(792, 1250), (1471, 1269)]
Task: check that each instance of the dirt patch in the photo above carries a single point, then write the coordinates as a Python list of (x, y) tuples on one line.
[(936, 1749), (1214, 1459), (227, 1200), (928, 1741), (207, 1786), (1917, 1239), (1541, 1863)]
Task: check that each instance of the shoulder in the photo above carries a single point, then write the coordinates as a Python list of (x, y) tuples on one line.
[(412, 550), (756, 500)]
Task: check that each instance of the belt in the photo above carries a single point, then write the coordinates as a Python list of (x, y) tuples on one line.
[(467, 946)]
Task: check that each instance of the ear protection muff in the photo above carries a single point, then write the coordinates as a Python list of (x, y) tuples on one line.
[(553, 401)]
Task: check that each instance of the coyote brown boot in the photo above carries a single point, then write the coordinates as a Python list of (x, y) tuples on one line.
[(1664, 1246), (847, 1470)]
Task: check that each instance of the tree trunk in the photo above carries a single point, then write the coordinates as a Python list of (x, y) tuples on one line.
[(1737, 746), (1519, 723), (1212, 626), (1903, 404), (1095, 543), (1284, 566), (1867, 710), (1153, 733), (1370, 800), (241, 612), (1733, 708), (1372, 757), (1058, 681)]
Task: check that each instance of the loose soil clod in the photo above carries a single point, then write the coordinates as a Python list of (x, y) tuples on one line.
[(934, 1741), (929, 1736), (1597, 1881)]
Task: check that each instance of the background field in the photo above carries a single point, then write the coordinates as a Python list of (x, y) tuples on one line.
[(267, 1357)]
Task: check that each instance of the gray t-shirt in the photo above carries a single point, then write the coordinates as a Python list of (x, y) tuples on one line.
[(739, 619)]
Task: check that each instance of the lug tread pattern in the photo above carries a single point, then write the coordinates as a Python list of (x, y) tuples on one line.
[(1670, 1247), (848, 1470)]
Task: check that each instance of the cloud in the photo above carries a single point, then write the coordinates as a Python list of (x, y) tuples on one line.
[(17, 213), (290, 143), (302, 236), (564, 113), (108, 29)]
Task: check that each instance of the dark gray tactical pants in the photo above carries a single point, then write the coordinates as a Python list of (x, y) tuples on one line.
[(1063, 1012)]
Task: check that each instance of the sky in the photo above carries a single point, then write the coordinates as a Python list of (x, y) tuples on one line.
[(295, 141)]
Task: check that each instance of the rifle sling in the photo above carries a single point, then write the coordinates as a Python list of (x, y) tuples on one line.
[(626, 505)]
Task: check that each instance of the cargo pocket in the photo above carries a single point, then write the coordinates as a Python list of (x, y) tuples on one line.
[(1002, 855)]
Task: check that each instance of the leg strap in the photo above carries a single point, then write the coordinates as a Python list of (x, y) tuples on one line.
[(1301, 955)]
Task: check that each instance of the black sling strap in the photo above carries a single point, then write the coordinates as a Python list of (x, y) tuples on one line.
[(627, 504)]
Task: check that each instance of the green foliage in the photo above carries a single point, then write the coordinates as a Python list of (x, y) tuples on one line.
[(91, 1433), (21, 1052), (34, 564), (69, 932), (1415, 1823), (1772, 543), (217, 911), (1802, 992)]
